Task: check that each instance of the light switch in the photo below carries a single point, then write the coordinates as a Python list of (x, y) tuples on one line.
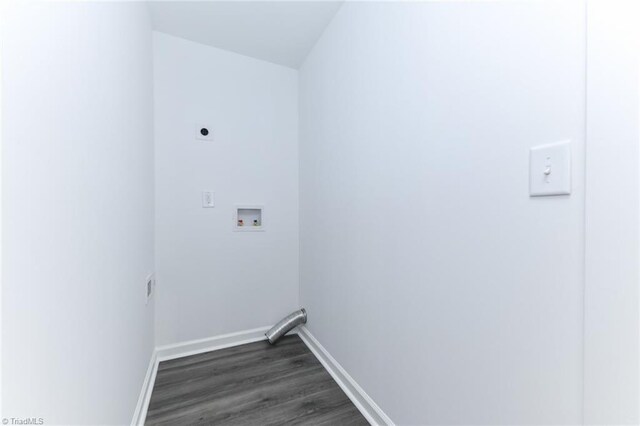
[(550, 169), (207, 199)]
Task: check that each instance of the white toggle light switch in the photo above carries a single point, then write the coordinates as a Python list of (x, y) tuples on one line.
[(550, 169), (207, 199)]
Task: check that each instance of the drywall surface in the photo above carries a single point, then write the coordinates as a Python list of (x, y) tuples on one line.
[(210, 279), (428, 272), (282, 32), (612, 323), (77, 210)]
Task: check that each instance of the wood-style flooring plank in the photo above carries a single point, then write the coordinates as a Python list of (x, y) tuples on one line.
[(253, 384)]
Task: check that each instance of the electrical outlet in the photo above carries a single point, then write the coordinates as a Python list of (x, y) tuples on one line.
[(149, 287), (207, 199)]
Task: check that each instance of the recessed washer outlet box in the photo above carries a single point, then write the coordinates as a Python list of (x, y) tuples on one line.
[(248, 218)]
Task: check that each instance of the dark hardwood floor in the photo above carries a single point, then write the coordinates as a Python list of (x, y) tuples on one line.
[(253, 384)]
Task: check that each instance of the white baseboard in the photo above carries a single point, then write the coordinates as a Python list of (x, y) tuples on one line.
[(369, 409), (179, 350), (194, 347), (140, 412)]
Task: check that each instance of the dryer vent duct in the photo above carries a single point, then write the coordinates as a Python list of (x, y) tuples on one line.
[(285, 325)]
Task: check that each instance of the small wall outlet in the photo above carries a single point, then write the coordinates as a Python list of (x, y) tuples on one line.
[(207, 199), (150, 287), (204, 132)]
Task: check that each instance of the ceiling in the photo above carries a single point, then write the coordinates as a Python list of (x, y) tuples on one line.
[(282, 32)]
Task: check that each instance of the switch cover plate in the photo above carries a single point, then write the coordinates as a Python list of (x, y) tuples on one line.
[(550, 169)]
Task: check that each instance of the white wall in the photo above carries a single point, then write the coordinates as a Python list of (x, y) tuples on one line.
[(77, 210), (428, 272), (211, 280), (612, 323)]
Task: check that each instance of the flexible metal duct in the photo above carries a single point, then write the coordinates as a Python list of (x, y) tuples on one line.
[(286, 324)]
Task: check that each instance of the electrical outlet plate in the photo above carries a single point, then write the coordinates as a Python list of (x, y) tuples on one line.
[(207, 199), (149, 287), (550, 169)]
